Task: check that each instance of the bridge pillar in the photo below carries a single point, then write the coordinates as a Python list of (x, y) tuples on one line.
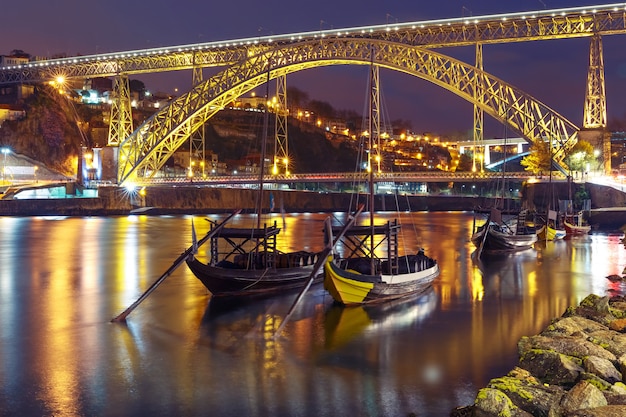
[(595, 96), (594, 118), (109, 163), (197, 147), (486, 155), (121, 119), (281, 144), (478, 98)]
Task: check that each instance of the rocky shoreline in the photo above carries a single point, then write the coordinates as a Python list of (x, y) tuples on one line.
[(576, 367)]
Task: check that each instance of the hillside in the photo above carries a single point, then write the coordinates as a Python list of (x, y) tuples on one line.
[(50, 134)]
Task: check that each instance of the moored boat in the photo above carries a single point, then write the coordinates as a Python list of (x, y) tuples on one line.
[(497, 235), (247, 264), (548, 232), (361, 274), (575, 225), (369, 279)]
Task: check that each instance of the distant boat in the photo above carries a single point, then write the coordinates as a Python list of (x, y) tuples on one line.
[(497, 235), (575, 224), (549, 231)]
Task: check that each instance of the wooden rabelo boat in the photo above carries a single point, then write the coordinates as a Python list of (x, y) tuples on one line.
[(357, 280), (358, 275), (497, 235), (552, 229), (575, 225), (244, 262)]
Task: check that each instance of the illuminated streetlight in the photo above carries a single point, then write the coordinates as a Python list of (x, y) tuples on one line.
[(5, 151)]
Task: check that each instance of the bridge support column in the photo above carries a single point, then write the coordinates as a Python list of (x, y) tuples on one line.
[(121, 119), (120, 127), (594, 118), (486, 155), (478, 112), (281, 144), (197, 145)]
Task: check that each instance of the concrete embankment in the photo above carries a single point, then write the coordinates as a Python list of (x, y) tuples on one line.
[(191, 199), (575, 367)]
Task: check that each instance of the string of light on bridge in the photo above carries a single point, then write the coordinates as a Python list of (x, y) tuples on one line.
[(356, 31)]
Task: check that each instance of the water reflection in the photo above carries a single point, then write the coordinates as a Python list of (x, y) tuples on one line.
[(183, 353), (344, 324)]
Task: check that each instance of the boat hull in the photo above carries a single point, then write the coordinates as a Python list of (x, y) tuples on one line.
[(232, 282), (500, 240), (550, 233), (352, 288), (573, 230)]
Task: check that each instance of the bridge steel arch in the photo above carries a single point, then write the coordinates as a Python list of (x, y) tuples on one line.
[(145, 151)]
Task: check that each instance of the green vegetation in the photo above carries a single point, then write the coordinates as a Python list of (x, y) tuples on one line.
[(539, 159)]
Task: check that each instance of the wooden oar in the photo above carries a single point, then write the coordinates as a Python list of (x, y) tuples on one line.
[(482, 243), (191, 250), (320, 262)]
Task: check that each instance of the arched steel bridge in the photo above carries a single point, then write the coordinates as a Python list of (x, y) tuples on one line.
[(405, 47)]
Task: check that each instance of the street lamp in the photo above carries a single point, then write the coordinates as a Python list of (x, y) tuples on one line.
[(5, 151)]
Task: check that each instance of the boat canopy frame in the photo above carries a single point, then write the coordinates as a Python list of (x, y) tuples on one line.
[(250, 242), (355, 240)]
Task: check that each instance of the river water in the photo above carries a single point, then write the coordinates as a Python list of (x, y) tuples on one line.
[(180, 354)]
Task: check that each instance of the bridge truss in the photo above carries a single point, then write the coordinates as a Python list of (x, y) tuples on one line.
[(146, 149)]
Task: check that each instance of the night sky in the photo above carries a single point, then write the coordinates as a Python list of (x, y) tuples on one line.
[(552, 71)]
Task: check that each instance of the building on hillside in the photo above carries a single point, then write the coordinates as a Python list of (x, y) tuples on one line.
[(13, 60), (15, 93), (11, 112), (250, 103)]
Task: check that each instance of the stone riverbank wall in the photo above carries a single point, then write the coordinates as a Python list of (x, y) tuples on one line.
[(575, 367), (200, 200)]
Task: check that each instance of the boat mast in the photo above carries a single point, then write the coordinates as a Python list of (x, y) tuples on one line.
[(373, 130), (263, 150)]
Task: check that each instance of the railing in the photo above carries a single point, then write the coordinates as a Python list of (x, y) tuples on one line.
[(358, 177)]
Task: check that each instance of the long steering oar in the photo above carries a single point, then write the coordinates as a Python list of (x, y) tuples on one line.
[(482, 242), (191, 250), (320, 262)]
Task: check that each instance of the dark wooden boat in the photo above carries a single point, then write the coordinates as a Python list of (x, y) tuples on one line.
[(496, 235), (244, 262)]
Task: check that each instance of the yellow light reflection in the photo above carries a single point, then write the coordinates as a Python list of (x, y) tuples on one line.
[(478, 289)]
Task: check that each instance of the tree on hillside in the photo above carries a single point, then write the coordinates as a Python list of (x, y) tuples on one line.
[(296, 97), (401, 126), (137, 86), (19, 53), (580, 156), (322, 109), (539, 159)]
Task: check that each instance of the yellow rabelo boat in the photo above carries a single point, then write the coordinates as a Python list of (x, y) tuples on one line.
[(364, 280), (362, 277)]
